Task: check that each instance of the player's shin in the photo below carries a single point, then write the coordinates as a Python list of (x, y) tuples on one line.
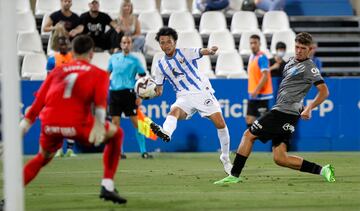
[(310, 167), (111, 154), (238, 165), (33, 166), (224, 138), (170, 124)]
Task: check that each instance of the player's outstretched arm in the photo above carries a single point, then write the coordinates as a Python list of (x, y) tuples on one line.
[(323, 93), (209, 51)]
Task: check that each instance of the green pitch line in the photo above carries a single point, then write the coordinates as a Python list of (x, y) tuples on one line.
[(184, 181)]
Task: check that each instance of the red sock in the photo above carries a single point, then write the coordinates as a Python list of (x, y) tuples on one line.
[(111, 154), (33, 167)]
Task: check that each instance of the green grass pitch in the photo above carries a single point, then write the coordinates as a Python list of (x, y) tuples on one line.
[(183, 181)]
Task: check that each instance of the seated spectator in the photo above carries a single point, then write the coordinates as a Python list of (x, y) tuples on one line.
[(211, 5), (315, 59), (95, 23), (65, 17), (128, 23), (269, 5), (277, 63)]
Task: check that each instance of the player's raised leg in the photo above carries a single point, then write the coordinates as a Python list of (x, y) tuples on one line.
[(242, 154), (111, 156), (282, 158), (224, 138)]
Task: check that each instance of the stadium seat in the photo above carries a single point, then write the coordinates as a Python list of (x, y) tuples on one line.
[(244, 45), (141, 6), (211, 22), (274, 21), (189, 40), (244, 21), (46, 6), (150, 21), (224, 40), (49, 51), (34, 66), (23, 6), (25, 22), (182, 21), (141, 57), (101, 60), (80, 6), (155, 59), (29, 42), (230, 65), (234, 6), (204, 65), (151, 45), (287, 37), (169, 6), (111, 7)]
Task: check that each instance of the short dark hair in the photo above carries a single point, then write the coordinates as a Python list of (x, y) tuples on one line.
[(255, 36), (166, 31), (280, 45), (304, 38), (82, 44)]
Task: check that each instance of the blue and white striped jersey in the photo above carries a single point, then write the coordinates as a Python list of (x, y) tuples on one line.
[(182, 72)]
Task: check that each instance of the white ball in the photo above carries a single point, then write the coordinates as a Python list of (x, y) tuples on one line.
[(145, 87)]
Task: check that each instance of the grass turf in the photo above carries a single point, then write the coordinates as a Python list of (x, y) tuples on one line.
[(184, 181)]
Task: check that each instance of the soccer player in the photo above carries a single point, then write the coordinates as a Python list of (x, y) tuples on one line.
[(259, 82), (64, 103), (278, 124), (123, 68), (194, 92)]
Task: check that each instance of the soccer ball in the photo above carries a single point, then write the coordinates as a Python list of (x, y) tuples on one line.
[(145, 87)]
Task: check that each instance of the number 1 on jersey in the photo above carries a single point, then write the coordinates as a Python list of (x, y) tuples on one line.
[(70, 82)]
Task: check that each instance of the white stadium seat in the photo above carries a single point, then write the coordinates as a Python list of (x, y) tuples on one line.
[(25, 22), (80, 6), (101, 60), (34, 66), (244, 21), (211, 22), (287, 37), (229, 65), (275, 21), (151, 45), (234, 6), (46, 6), (244, 46), (182, 21), (141, 57), (23, 6), (189, 40), (169, 6), (224, 40), (29, 42), (204, 65), (141, 6), (150, 21), (155, 60), (110, 6)]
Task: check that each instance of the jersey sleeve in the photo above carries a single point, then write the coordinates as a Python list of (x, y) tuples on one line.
[(263, 63), (101, 89), (191, 53), (39, 101), (139, 67), (50, 63), (158, 75), (313, 75)]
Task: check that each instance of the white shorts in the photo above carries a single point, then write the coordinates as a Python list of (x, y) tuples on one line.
[(205, 103)]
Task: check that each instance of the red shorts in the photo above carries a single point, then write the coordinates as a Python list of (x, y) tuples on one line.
[(52, 136)]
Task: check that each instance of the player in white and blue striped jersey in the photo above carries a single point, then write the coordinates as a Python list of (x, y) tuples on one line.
[(193, 90)]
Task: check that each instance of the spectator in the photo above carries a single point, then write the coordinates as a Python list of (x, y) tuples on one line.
[(211, 5), (65, 17), (269, 5), (315, 59), (128, 23), (277, 63), (95, 23), (60, 43)]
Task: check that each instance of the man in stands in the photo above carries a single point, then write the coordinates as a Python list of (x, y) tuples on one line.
[(64, 103), (65, 17)]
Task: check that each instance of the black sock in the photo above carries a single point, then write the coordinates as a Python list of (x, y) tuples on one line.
[(70, 145), (239, 163), (310, 167), (248, 125)]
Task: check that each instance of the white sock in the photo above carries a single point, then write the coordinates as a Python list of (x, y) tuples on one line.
[(108, 184), (170, 124), (224, 138), (321, 171)]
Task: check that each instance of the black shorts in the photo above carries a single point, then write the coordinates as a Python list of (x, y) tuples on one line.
[(257, 108), (276, 126), (122, 101)]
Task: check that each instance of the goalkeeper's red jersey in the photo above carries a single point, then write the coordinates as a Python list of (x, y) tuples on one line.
[(66, 96)]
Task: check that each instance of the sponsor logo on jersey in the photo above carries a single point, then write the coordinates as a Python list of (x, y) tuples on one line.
[(208, 102), (288, 127)]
